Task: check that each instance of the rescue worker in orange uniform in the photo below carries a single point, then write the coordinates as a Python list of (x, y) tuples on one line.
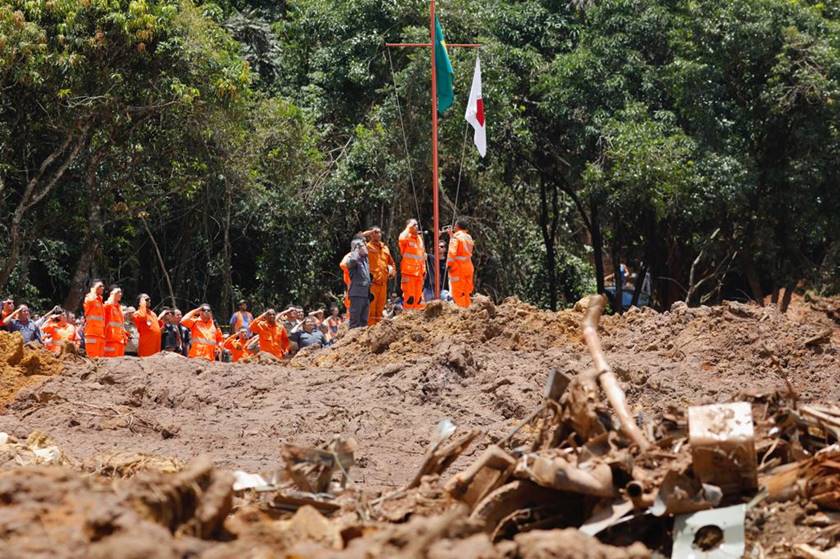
[(148, 327), (237, 345), (459, 264), (412, 265), (382, 269), (205, 336), (58, 332), (95, 321), (345, 270), (116, 335), (273, 336)]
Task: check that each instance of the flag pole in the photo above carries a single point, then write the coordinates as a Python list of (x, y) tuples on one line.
[(435, 184)]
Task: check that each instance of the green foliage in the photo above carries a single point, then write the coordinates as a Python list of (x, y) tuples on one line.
[(243, 142)]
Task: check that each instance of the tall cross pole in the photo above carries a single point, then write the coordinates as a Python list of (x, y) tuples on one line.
[(435, 180)]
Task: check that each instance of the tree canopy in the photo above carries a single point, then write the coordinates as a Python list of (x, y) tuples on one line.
[(213, 151)]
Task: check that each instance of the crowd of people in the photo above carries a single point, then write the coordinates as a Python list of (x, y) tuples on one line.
[(107, 326)]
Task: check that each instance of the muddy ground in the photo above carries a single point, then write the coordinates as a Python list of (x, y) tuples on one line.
[(389, 385)]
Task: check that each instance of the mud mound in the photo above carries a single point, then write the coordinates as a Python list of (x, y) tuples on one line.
[(22, 366), (511, 326), (712, 354), (55, 512)]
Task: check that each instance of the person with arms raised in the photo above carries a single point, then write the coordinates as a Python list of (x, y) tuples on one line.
[(273, 336), (94, 331), (148, 327), (205, 336), (116, 335)]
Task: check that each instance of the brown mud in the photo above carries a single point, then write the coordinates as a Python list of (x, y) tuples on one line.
[(387, 387)]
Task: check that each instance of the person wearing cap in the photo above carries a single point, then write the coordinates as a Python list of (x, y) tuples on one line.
[(237, 345), (204, 334), (412, 265), (7, 309), (148, 327), (21, 322), (241, 318), (459, 264), (273, 336), (382, 269), (116, 335), (94, 330), (359, 291), (58, 331)]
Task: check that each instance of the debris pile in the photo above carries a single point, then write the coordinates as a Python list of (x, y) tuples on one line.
[(22, 366)]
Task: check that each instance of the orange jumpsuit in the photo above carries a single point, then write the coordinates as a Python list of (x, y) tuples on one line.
[(115, 333), (237, 348), (346, 272), (148, 326), (94, 326), (273, 337), (205, 337), (459, 262), (412, 269), (58, 335), (379, 258)]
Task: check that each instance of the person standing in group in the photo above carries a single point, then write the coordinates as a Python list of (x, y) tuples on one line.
[(459, 263), (148, 327), (359, 269), (345, 272), (242, 318), (95, 321), (237, 345), (412, 265), (58, 332), (273, 336), (382, 269), (7, 309), (21, 322), (205, 336), (333, 322), (115, 333)]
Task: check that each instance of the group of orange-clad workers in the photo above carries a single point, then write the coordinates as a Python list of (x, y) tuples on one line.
[(413, 267), (105, 334)]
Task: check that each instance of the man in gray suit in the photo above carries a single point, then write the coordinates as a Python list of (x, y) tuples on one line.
[(359, 269)]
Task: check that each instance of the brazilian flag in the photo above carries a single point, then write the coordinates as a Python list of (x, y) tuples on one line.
[(445, 74)]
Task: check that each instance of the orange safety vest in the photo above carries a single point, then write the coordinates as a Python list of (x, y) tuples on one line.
[(114, 324), (459, 257), (58, 335), (273, 338), (379, 258), (345, 268), (148, 327), (94, 316), (237, 348), (413, 252), (205, 337)]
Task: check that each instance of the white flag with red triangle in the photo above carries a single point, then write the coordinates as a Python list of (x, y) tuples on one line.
[(475, 111)]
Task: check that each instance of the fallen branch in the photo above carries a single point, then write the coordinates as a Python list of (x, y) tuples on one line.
[(604, 374)]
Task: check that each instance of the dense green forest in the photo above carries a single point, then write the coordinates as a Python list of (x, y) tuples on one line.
[(220, 150)]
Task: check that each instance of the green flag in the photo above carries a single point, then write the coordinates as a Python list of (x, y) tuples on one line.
[(445, 74)]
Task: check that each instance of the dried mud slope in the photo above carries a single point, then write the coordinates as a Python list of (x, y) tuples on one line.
[(389, 385)]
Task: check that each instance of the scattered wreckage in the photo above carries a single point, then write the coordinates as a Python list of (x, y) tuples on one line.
[(582, 460)]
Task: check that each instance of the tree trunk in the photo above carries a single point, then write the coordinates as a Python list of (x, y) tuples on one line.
[(617, 274), (36, 189), (752, 279), (550, 249), (597, 248), (227, 255), (785, 303)]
